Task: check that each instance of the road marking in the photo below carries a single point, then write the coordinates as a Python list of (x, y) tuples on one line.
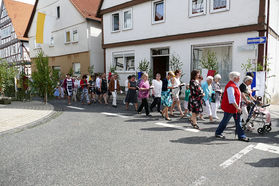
[(78, 108), (199, 181), (237, 156), (177, 127), (113, 114), (267, 148)]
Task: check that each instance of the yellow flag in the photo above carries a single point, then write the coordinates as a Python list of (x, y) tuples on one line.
[(40, 28)]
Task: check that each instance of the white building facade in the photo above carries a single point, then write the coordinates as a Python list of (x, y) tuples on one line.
[(75, 41), (157, 30)]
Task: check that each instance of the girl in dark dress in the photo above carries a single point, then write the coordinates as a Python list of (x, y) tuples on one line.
[(132, 93), (195, 99)]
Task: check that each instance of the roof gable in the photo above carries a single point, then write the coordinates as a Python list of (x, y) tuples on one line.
[(87, 8), (19, 13)]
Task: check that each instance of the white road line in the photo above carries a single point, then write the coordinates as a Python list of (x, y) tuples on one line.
[(237, 156), (78, 108), (113, 114), (199, 181), (267, 148), (177, 127)]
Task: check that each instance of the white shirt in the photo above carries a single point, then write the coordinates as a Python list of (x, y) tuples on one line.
[(126, 85), (157, 87), (115, 85), (98, 84)]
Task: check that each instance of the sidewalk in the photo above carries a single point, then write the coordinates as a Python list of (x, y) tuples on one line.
[(19, 114), (274, 111)]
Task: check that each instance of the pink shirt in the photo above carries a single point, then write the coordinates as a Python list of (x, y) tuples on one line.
[(144, 93)]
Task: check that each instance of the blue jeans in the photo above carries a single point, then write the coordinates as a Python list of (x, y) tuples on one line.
[(225, 121)]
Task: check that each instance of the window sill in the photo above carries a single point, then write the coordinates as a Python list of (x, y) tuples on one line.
[(74, 42), (115, 31), (196, 15), (127, 29), (51, 46), (67, 43), (157, 22), (219, 10), (125, 72)]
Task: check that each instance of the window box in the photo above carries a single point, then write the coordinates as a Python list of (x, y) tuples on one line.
[(127, 19), (158, 11), (219, 6), (115, 22), (197, 7)]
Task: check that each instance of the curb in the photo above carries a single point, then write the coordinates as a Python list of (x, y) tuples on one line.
[(54, 114)]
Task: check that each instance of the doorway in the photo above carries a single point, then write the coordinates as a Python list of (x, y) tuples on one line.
[(160, 58)]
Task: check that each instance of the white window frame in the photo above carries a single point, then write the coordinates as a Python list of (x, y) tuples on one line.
[(197, 14), (37, 45), (75, 41), (123, 55), (221, 9), (153, 11), (65, 37), (76, 73), (51, 43), (112, 22), (123, 18)]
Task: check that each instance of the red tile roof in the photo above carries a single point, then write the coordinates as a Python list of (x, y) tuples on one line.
[(88, 8), (19, 14)]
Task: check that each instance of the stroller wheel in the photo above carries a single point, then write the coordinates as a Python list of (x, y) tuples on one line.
[(267, 128), (260, 130)]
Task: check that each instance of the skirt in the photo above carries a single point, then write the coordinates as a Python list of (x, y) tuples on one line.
[(166, 98)]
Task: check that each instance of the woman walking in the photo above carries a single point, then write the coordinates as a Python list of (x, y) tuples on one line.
[(104, 88), (156, 93), (176, 92), (216, 101), (144, 94), (166, 95), (68, 85), (131, 96), (84, 87), (114, 87), (195, 100), (207, 89)]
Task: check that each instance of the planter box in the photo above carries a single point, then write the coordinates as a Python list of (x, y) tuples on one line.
[(5, 100)]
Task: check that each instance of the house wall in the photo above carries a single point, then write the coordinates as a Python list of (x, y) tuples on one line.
[(69, 19), (272, 75), (94, 32), (111, 3), (274, 15), (183, 48), (177, 20)]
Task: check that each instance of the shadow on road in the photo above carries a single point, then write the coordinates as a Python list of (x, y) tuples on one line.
[(202, 140), (269, 162)]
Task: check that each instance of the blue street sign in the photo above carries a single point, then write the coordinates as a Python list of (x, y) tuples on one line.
[(256, 40)]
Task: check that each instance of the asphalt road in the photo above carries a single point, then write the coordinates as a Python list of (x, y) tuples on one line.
[(101, 145)]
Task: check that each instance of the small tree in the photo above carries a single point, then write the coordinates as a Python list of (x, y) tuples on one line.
[(175, 63), (144, 67), (91, 69), (7, 75), (210, 61), (44, 78)]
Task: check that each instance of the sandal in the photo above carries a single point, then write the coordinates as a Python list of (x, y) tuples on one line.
[(168, 119), (194, 125)]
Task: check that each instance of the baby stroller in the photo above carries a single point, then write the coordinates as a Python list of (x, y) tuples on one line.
[(258, 114)]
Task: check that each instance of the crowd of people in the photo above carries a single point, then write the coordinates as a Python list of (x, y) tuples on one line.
[(201, 98)]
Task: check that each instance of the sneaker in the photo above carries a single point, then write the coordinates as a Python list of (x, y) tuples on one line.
[(220, 136)]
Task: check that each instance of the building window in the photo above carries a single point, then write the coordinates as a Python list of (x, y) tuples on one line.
[(75, 36), (219, 5), (115, 22), (67, 36), (223, 53), (76, 69), (124, 61), (14, 49), (58, 12), (128, 20), (197, 7), (57, 69), (158, 9)]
